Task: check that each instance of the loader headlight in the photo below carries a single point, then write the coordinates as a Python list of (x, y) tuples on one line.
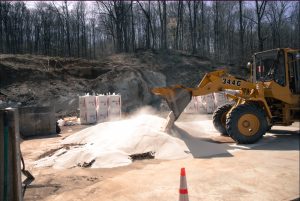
[(249, 65)]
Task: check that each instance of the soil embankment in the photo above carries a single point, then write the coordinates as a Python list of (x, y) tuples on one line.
[(41, 80)]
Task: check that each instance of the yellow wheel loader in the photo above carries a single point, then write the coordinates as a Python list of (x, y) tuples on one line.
[(269, 97)]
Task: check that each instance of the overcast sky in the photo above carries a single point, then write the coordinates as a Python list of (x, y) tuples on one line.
[(31, 4)]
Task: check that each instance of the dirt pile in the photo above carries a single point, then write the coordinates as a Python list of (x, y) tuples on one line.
[(113, 144)]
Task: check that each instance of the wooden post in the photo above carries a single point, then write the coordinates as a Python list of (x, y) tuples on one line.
[(1, 155), (10, 164)]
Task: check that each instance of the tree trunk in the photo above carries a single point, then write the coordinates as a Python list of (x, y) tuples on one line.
[(260, 9), (191, 25), (165, 46), (161, 26), (203, 31), (216, 31), (78, 31), (195, 27), (1, 32), (6, 27), (132, 29), (298, 25), (241, 56), (68, 29)]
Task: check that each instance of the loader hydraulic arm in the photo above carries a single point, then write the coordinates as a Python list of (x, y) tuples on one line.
[(179, 96), (219, 81)]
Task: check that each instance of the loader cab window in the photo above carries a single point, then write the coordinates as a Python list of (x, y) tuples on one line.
[(294, 72), (270, 67)]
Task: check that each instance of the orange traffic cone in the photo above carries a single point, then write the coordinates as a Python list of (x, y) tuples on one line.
[(183, 191)]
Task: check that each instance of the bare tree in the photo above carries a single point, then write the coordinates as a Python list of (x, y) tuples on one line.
[(216, 30), (241, 32), (67, 19), (149, 24), (229, 31), (260, 11), (275, 15)]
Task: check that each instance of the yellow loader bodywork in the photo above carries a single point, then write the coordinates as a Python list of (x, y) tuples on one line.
[(266, 100), (214, 82)]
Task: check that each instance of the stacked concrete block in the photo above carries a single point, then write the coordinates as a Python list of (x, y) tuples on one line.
[(200, 107), (87, 106), (36, 121), (232, 92), (99, 108), (192, 107), (102, 108), (114, 109), (201, 104), (220, 98), (208, 103)]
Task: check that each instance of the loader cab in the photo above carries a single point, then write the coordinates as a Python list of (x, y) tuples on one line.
[(279, 65), (293, 62), (269, 66)]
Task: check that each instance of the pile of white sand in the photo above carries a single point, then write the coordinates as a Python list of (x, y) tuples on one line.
[(109, 144)]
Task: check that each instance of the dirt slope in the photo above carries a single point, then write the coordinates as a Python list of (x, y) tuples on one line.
[(42, 80)]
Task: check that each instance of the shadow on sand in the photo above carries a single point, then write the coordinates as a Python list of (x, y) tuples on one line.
[(202, 147), (211, 147), (41, 137)]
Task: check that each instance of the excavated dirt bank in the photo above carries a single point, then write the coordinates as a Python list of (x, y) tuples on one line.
[(41, 80)]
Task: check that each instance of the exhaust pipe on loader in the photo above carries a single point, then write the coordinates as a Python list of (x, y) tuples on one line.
[(177, 97)]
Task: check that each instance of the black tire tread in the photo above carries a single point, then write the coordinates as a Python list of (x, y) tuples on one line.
[(217, 115)]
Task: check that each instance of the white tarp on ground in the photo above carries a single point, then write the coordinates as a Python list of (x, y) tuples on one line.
[(111, 143)]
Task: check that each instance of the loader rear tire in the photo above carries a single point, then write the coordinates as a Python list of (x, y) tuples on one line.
[(246, 123), (219, 118)]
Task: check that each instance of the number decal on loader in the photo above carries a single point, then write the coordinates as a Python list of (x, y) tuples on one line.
[(232, 82)]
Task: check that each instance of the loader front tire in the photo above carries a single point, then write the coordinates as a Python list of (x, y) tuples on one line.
[(246, 123), (219, 118)]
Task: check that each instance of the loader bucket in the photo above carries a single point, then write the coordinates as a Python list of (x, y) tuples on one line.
[(177, 97)]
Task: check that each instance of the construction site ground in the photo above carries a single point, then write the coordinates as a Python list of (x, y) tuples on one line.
[(220, 169)]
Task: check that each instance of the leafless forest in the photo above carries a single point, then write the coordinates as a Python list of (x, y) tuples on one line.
[(226, 32)]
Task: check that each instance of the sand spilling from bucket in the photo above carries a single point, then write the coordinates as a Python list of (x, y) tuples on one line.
[(109, 144)]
